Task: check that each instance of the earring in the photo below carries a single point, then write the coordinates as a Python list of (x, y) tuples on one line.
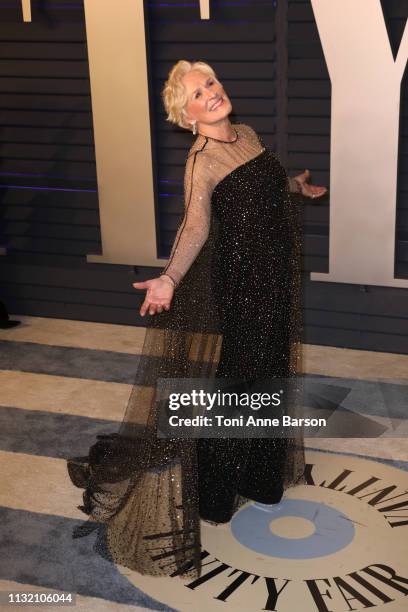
[(195, 128)]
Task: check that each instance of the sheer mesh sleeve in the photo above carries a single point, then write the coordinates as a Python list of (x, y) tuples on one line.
[(194, 227)]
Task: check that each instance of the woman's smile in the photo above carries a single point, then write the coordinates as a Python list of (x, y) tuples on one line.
[(217, 104)]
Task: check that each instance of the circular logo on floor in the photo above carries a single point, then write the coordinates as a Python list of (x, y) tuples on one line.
[(335, 544)]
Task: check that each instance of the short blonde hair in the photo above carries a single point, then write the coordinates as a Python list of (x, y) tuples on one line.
[(174, 93)]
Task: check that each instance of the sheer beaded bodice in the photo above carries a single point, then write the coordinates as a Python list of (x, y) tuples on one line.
[(209, 161)]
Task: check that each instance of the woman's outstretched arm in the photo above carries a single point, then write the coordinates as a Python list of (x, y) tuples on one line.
[(191, 235), (194, 227)]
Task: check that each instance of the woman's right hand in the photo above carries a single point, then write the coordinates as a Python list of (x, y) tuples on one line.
[(158, 296)]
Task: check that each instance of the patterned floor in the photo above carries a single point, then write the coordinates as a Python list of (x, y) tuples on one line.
[(62, 382)]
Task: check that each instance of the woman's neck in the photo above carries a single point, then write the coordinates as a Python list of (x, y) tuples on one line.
[(221, 131)]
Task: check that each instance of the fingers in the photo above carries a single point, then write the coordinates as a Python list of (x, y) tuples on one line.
[(316, 191), (153, 308), (319, 191), (144, 307)]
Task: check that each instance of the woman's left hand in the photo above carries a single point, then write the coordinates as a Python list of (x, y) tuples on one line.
[(307, 190)]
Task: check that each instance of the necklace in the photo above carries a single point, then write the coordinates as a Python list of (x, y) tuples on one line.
[(226, 141)]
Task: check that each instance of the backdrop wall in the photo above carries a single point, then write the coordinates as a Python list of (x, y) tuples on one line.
[(270, 59)]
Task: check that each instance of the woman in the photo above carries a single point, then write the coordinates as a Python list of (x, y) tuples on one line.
[(227, 305)]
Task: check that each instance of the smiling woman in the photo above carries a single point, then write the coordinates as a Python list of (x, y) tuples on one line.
[(226, 305), (207, 104), (191, 92)]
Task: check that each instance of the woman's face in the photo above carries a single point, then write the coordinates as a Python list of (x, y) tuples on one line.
[(207, 101)]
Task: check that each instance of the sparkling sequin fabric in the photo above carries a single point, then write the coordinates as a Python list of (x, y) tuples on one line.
[(235, 313)]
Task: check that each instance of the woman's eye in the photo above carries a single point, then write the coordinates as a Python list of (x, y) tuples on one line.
[(198, 94)]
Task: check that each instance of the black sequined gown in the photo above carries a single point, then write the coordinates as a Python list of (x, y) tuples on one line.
[(235, 313), (251, 279)]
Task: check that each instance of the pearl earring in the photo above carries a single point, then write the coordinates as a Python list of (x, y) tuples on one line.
[(195, 128)]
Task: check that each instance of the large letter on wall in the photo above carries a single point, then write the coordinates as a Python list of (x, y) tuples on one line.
[(26, 6), (120, 109), (366, 89), (205, 9)]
